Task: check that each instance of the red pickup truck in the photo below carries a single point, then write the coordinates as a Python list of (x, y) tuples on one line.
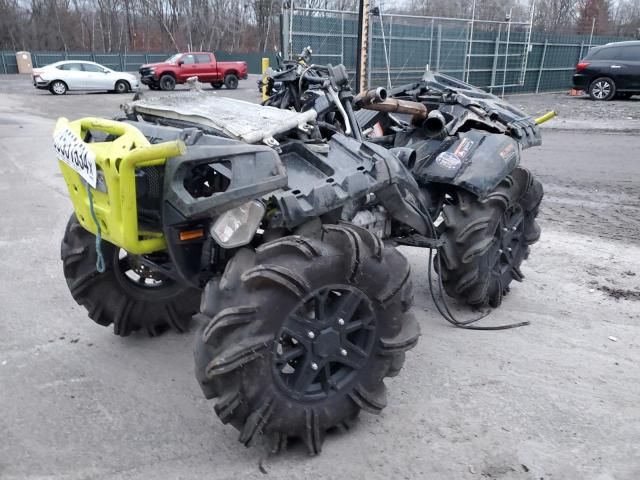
[(176, 69)]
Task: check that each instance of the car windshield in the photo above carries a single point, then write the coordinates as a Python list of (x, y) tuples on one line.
[(173, 58)]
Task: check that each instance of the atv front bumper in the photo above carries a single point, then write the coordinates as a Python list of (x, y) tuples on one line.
[(114, 198)]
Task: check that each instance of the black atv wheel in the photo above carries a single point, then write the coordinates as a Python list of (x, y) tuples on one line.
[(231, 81), (299, 335), (486, 241), (127, 294), (167, 82)]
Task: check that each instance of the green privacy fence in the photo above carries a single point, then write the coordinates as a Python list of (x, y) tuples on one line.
[(129, 62), (502, 57)]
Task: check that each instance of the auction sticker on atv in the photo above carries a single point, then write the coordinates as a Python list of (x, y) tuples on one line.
[(448, 160), (75, 153)]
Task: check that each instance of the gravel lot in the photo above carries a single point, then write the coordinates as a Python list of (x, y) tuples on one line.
[(554, 400), (583, 114)]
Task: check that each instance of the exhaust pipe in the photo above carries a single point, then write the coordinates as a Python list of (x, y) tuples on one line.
[(376, 95), (377, 100), (435, 124)]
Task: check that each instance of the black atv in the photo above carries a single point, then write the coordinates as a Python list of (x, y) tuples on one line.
[(266, 224), (463, 147)]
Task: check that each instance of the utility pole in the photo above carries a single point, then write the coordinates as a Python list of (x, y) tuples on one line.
[(363, 45)]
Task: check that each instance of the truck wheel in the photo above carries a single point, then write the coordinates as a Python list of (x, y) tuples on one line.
[(485, 241), (58, 87), (167, 82), (127, 294), (231, 81), (217, 86), (602, 88), (299, 335)]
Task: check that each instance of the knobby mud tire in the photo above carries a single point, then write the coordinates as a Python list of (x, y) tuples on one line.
[(111, 298), (477, 263), (243, 314)]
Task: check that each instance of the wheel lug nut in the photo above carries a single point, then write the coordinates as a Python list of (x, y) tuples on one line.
[(499, 250), (505, 229), (340, 321), (311, 335), (510, 249), (314, 366), (514, 228), (343, 352)]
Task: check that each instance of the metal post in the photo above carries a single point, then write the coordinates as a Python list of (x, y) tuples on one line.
[(289, 53), (265, 67), (4, 64), (581, 48), (544, 53), (389, 53), (467, 62), (285, 33), (386, 53), (431, 42), (370, 49), (496, 53), (593, 26), (342, 39), (506, 54), (527, 47), (439, 43), (361, 57)]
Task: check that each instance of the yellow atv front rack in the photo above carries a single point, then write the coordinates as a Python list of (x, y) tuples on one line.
[(114, 200)]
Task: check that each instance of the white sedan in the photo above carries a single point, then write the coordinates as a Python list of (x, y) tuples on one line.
[(60, 77)]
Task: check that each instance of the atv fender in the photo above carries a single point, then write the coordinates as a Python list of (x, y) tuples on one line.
[(475, 161), (401, 196)]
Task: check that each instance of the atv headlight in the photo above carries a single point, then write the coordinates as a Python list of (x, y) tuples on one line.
[(236, 227)]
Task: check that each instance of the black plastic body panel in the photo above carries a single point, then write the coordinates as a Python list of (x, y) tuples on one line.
[(461, 102), (304, 181), (476, 161)]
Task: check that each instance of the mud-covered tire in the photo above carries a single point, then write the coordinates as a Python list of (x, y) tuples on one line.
[(112, 298), (486, 241), (251, 314)]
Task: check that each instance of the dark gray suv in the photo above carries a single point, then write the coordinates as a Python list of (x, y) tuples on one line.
[(610, 71)]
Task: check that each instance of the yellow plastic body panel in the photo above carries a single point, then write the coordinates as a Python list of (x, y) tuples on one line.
[(116, 209)]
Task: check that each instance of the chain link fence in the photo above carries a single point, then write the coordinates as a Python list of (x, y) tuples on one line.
[(501, 57), (126, 62)]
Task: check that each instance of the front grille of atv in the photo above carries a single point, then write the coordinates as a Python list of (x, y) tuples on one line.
[(149, 185)]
